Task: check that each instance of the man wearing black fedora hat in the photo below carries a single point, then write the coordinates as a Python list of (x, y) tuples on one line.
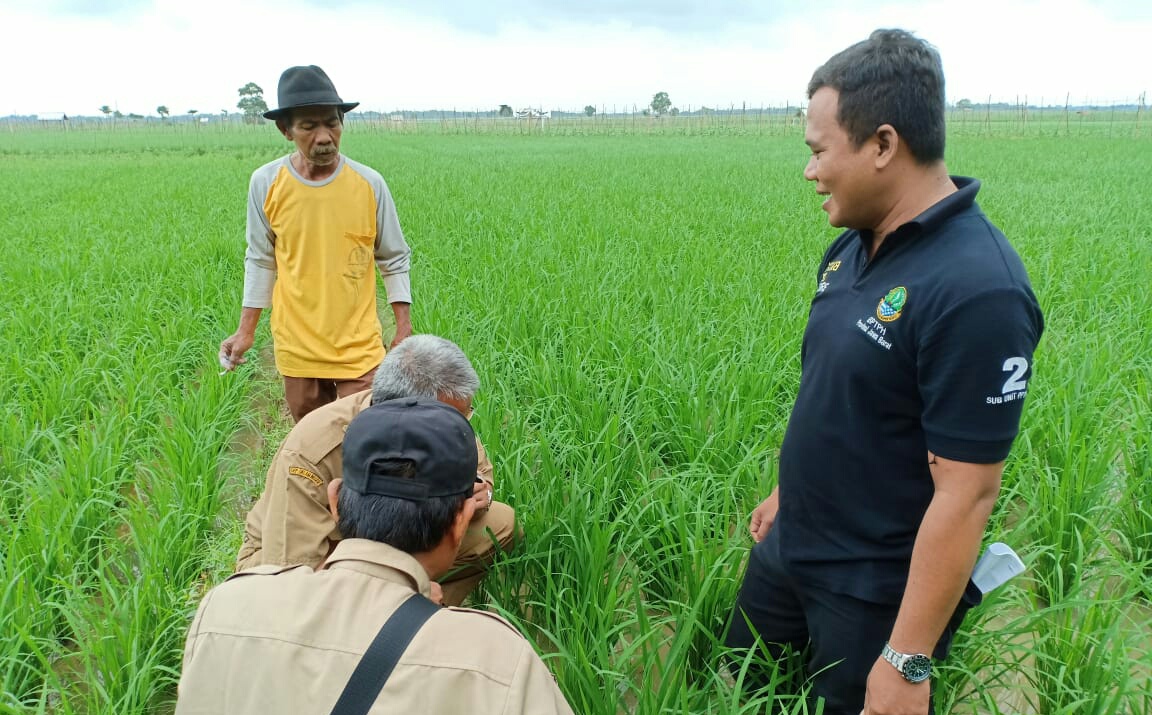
[(317, 221)]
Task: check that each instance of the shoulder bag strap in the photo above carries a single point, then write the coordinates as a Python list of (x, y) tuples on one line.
[(381, 657)]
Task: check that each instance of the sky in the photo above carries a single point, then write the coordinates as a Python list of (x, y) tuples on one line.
[(73, 56)]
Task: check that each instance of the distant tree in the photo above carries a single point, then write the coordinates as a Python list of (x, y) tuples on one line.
[(964, 105), (162, 110), (251, 102), (675, 111), (646, 112), (117, 115), (589, 110), (505, 110), (105, 110), (134, 115), (660, 103)]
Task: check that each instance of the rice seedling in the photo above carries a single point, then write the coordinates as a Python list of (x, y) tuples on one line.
[(633, 302)]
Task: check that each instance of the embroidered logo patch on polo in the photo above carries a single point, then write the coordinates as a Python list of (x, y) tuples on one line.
[(892, 305), (830, 268), (310, 476)]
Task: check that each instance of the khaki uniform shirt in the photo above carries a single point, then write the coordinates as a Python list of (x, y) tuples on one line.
[(286, 640), (290, 523)]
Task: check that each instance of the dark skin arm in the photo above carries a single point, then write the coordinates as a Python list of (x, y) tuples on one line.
[(764, 515), (233, 347), (945, 553), (402, 312)]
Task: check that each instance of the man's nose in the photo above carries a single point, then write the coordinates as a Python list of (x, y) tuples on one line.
[(810, 169)]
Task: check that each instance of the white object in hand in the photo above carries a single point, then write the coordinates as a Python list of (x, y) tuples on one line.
[(225, 362), (996, 566)]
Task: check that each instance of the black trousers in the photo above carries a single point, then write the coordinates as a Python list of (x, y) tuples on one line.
[(841, 635)]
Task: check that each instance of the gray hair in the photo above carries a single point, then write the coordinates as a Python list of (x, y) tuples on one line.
[(425, 366)]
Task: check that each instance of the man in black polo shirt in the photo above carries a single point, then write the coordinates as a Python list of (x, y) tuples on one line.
[(915, 364)]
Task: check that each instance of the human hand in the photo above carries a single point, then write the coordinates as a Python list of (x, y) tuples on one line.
[(764, 515), (437, 594), (888, 693), (232, 350), (482, 496)]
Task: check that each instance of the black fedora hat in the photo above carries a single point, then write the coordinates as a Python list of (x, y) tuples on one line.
[(306, 87)]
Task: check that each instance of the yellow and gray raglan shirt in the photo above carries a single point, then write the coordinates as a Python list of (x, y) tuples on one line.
[(311, 246)]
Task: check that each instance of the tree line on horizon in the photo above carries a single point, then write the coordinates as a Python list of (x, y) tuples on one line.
[(252, 106)]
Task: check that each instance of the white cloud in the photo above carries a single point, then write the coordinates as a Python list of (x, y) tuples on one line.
[(195, 55)]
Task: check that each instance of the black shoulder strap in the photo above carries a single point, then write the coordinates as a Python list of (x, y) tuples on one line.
[(389, 644)]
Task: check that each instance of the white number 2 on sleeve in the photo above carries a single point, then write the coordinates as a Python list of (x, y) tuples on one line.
[(1016, 382)]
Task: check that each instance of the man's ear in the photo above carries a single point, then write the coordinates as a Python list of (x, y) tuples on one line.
[(333, 494), (887, 144)]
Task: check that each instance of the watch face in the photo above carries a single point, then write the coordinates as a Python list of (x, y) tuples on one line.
[(917, 668)]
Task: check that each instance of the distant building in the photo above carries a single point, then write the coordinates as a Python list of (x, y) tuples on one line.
[(529, 113)]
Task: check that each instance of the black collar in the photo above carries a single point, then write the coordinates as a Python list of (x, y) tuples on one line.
[(931, 218)]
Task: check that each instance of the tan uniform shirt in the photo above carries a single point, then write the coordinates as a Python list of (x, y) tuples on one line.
[(290, 523), (287, 642)]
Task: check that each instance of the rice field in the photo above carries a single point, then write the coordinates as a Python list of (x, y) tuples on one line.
[(634, 304)]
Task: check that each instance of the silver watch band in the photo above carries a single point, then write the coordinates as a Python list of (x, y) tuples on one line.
[(914, 667)]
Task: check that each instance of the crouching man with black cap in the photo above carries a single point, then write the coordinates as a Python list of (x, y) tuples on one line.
[(403, 507)]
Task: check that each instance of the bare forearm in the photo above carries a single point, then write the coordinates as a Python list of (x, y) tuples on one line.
[(947, 545), (403, 314), (942, 560), (403, 323), (249, 319)]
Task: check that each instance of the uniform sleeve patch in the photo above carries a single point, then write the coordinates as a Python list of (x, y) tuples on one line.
[(310, 476)]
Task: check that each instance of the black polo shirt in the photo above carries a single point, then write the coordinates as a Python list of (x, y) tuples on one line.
[(928, 346)]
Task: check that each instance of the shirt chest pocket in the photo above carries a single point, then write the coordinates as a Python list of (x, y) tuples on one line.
[(358, 249)]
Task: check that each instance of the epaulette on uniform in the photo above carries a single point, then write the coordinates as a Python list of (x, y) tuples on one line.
[(324, 431), (489, 614), (266, 570)]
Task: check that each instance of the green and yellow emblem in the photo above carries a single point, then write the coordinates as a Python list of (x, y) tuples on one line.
[(892, 305)]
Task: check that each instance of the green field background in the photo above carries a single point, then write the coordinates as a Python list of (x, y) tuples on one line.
[(633, 303)]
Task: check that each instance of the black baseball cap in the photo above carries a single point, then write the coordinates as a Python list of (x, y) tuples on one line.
[(435, 437)]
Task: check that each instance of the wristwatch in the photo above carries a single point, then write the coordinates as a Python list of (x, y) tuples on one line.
[(915, 667)]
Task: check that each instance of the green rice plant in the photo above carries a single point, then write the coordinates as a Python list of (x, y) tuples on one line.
[(1072, 460), (110, 343), (1133, 516), (633, 299), (985, 666), (1083, 652), (21, 659)]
